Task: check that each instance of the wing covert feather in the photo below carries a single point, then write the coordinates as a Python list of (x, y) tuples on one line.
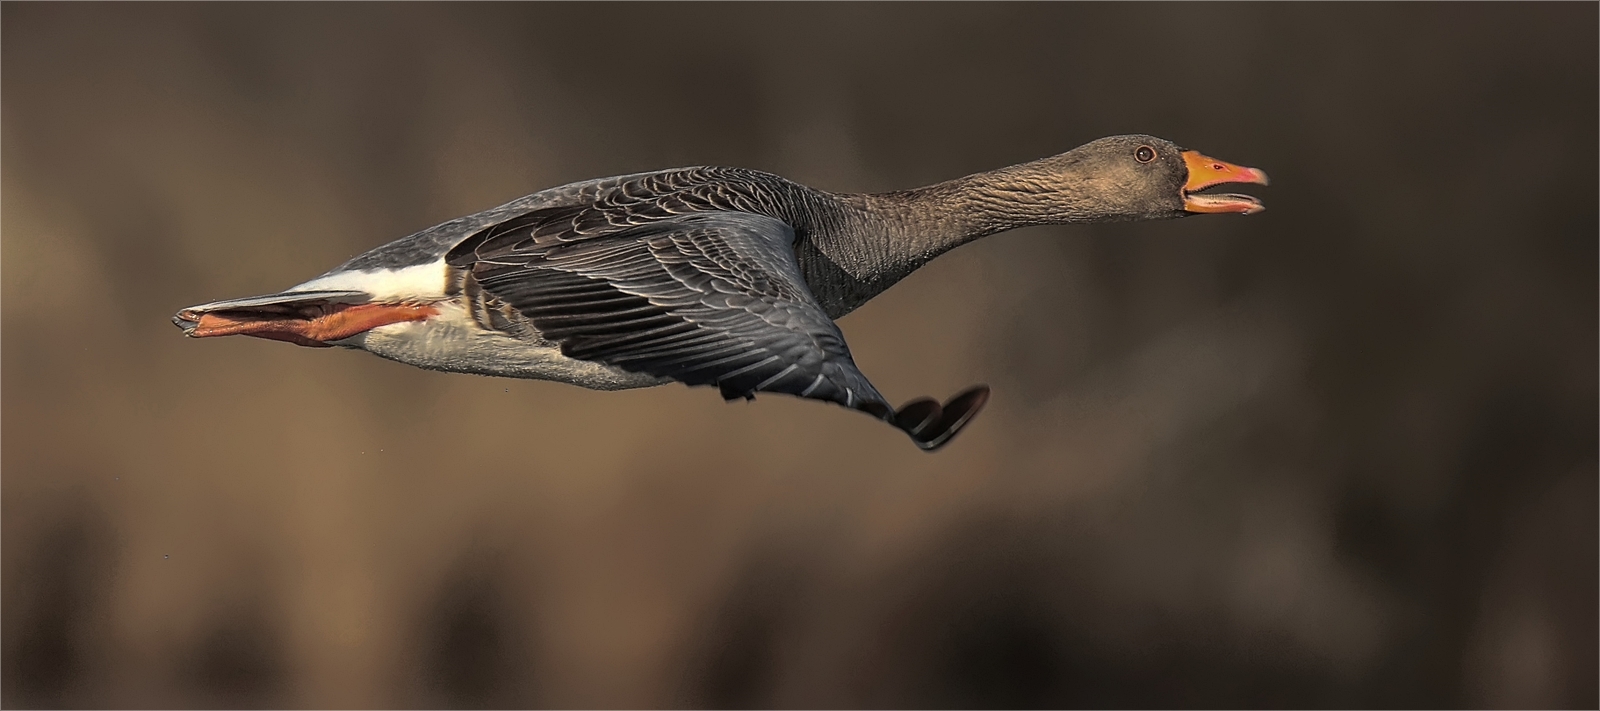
[(704, 298)]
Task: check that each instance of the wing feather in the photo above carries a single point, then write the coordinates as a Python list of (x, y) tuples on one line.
[(704, 298)]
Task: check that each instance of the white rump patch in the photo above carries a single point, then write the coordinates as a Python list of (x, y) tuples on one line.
[(424, 282)]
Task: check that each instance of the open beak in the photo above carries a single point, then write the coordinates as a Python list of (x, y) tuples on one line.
[(1205, 172)]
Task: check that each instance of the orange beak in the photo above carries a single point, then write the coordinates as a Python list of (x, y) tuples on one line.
[(1205, 172)]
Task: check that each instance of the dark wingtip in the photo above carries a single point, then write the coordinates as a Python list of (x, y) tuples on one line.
[(932, 425), (915, 416)]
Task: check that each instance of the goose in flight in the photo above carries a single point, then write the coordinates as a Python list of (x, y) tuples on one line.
[(704, 276)]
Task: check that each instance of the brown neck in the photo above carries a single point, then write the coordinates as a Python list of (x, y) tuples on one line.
[(883, 237)]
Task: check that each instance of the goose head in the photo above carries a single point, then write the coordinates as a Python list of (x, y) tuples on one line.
[(1120, 179)]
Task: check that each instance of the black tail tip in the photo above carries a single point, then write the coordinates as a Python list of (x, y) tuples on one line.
[(932, 425), (186, 320)]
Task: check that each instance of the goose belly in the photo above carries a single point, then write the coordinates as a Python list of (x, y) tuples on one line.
[(453, 341)]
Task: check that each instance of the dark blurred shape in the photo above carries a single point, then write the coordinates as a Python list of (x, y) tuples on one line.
[(735, 655), (239, 662), (1002, 653), (986, 629), (474, 655), (55, 607)]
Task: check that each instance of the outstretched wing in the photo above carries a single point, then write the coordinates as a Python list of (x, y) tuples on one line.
[(705, 299), (712, 298)]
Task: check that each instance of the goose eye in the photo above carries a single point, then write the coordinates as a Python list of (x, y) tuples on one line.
[(1145, 154)]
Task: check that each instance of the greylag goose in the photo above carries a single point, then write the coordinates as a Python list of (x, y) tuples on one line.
[(704, 276)]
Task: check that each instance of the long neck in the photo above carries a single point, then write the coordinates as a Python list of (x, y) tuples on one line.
[(881, 238)]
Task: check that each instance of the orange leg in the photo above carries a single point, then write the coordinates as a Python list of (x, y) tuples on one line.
[(342, 322)]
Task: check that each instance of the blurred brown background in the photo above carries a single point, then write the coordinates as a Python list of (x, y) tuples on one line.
[(1342, 453)]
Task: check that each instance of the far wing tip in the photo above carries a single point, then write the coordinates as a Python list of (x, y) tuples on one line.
[(938, 424)]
